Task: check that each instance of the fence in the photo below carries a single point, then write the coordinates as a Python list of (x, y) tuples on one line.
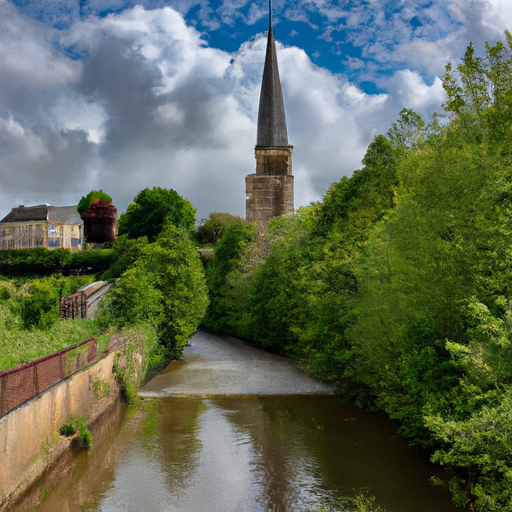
[(73, 306), (82, 303), (19, 384)]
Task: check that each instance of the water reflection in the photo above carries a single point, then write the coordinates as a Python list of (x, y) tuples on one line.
[(267, 453), (70, 484)]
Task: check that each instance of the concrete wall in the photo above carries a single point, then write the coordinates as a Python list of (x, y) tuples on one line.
[(29, 436)]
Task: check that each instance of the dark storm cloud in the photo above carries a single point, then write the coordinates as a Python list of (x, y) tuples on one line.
[(119, 78)]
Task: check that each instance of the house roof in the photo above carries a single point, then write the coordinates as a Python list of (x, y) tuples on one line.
[(56, 214), (64, 215)]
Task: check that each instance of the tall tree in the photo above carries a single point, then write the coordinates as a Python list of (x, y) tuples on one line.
[(151, 208), (164, 287)]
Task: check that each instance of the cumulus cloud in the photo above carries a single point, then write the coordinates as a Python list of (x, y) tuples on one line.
[(497, 15), (138, 98), (327, 118), (148, 105), (75, 113)]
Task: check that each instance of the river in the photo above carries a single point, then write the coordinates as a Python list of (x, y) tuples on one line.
[(231, 428)]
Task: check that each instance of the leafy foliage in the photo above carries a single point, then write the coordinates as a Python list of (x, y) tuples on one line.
[(78, 427), (165, 287), (37, 261), (228, 248), (125, 252), (43, 262), (40, 308), (94, 195), (212, 229), (151, 209), (398, 285)]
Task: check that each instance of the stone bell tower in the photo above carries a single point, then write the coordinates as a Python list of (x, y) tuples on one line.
[(269, 192)]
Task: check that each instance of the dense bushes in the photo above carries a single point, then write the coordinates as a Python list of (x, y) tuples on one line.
[(212, 229), (35, 304), (40, 307), (29, 320), (227, 254), (398, 285), (159, 284), (32, 261), (164, 286), (43, 262)]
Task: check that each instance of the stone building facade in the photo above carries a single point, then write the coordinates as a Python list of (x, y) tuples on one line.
[(27, 227), (269, 192)]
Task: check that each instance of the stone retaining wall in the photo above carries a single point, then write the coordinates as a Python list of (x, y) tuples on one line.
[(29, 436)]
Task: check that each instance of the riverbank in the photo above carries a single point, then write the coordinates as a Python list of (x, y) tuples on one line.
[(31, 443)]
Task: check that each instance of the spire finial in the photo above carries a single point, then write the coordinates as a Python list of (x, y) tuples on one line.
[(270, 13)]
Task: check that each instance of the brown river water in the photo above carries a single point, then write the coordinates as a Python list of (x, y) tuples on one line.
[(231, 428)]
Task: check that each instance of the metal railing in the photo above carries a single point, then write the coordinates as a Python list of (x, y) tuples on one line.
[(24, 382)]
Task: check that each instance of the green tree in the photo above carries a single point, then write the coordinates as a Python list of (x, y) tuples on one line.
[(151, 209), (179, 276), (407, 132), (355, 203), (480, 447), (164, 287), (479, 92), (93, 195), (227, 253), (131, 300), (212, 229), (126, 251), (275, 298)]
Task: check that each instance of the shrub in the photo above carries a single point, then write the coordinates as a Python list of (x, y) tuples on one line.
[(68, 429), (94, 195), (38, 261), (40, 308), (77, 426), (152, 209)]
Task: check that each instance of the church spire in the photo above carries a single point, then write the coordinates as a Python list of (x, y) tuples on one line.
[(269, 191), (271, 116)]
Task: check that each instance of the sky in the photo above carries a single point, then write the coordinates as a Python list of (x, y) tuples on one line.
[(123, 95)]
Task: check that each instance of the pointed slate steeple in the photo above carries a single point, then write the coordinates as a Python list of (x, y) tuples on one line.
[(269, 192), (271, 115)]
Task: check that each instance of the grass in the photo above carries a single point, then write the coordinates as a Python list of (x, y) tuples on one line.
[(142, 346), (19, 345)]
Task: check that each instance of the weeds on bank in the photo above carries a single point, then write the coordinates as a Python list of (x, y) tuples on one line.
[(101, 388), (139, 358), (44, 497), (77, 426), (361, 503)]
